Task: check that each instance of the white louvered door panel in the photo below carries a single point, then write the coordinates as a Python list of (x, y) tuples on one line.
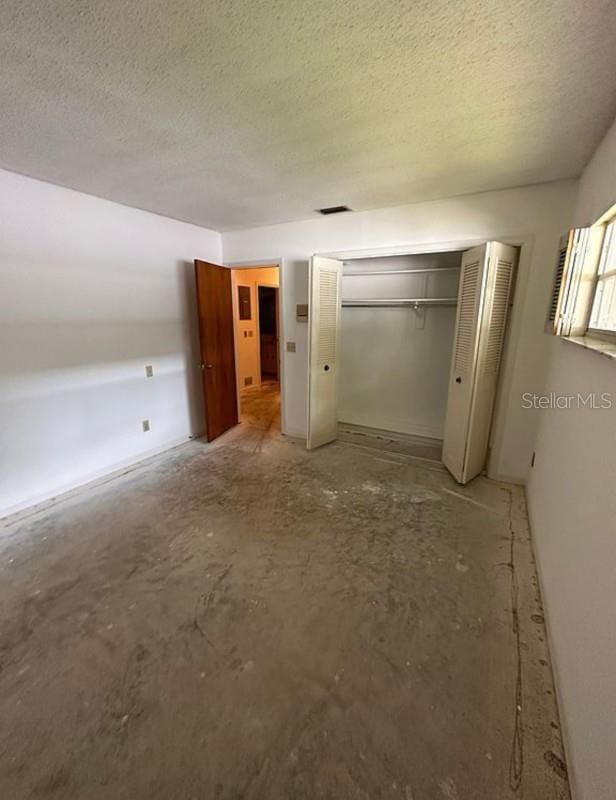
[(461, 376), (473, 382), (501, 264), (323, 348)]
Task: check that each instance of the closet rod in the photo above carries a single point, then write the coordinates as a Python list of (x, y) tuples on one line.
[(402, 301), (401, 271)]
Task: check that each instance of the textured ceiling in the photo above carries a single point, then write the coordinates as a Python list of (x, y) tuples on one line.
[(234, 113)]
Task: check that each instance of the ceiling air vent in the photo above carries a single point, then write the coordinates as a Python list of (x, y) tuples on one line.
[(333, 210)]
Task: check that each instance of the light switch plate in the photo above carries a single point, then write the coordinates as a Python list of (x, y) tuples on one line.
[(145, 425), (149, 371)]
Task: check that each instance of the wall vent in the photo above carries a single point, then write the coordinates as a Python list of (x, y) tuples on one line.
[(333, 210)]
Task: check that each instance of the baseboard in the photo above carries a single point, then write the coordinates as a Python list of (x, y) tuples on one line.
[(294, 434), (90, 479), (407, 438), (560, 704), (498, 476)]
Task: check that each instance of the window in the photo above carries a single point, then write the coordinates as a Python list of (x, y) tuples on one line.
[(583, 300), (603, 314)]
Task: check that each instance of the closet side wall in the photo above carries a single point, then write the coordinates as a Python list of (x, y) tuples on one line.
[(395, 361)]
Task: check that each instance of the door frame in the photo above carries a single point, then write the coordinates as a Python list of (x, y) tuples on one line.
[(525, 243), (422, 248), (261, 264), (277, 288)]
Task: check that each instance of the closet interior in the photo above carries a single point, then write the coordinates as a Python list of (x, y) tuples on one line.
[(397, 330)]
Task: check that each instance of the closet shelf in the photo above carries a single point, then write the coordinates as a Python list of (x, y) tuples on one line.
[(401, 301), (422, 271)]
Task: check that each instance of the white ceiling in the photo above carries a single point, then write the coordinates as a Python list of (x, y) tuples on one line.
[(233, 113)]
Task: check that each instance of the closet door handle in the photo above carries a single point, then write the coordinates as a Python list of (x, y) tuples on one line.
[(458, 379)]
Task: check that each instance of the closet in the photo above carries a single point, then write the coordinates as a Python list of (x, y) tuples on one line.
[(396, 338), (410, 345)]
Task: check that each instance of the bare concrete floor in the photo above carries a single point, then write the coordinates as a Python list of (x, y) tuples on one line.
[(250, 620)]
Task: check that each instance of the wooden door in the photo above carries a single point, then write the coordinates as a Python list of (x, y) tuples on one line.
[(215, 308)]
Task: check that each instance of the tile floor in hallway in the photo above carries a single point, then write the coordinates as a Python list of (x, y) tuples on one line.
[(260, 406), (247, 619)]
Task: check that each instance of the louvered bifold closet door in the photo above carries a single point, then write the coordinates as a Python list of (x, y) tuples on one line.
[(323, 350), (483, 307), (495, 311), (464, 359)]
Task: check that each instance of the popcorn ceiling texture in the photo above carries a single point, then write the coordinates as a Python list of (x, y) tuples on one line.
[(234, 114)]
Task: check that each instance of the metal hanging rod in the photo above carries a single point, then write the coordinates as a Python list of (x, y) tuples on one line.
[(413, 302), (422, 271)]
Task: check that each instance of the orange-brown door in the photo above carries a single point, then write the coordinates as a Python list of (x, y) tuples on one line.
[(215, 307)]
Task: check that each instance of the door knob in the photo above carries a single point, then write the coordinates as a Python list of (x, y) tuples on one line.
[(209, 366)]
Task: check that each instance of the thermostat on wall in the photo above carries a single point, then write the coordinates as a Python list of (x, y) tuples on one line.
[(302, 312)]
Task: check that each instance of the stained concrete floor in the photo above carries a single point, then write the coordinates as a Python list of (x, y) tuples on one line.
[(250, 620)]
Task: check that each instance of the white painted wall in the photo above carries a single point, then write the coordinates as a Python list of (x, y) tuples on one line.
[(572, 504), (247, 331), (394, 364), (534, 215), (91, 292)]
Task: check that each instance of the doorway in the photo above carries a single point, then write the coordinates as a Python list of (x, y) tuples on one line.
[(256, 310), (268, 333)]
